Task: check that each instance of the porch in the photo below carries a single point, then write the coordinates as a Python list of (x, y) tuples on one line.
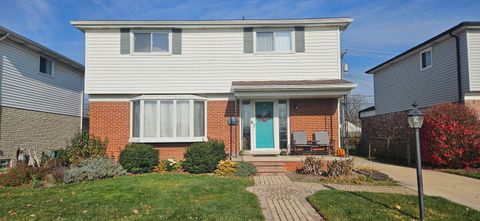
[(273, 113)]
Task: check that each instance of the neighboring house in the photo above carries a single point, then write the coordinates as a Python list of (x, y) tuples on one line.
[(250, 83), (445, 68), (40, 96)]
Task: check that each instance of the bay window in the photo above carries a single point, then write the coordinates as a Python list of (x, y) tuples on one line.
[(168, 120)]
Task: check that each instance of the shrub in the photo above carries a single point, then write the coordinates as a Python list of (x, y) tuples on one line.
[(167, 165), (226, 168), (312, 166), (204, 157), (246, 169), (83, 146), (93, 169), (139, 158), (18, 175), (54, 168), (450, 136), (340, 168)]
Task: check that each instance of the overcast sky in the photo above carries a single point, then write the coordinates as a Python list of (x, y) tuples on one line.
[(380, 30)]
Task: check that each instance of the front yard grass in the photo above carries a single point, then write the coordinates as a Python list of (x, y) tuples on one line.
[(348, 180), (139, 197), (339, 205), (462, 172)]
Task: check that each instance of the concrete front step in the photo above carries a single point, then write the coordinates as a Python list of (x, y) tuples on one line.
[(269, 164)]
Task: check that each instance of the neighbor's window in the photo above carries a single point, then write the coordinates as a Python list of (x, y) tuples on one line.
[(151, 42), (276, 41), (426, 58), (168, 120), (46, 66)]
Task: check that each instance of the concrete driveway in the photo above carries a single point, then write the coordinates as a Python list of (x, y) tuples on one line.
[(459, 189)]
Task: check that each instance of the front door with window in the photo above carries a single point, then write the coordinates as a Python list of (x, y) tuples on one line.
[(264, 121)]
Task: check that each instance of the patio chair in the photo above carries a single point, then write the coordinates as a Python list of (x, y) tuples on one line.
[(300, 143), (322, 143)]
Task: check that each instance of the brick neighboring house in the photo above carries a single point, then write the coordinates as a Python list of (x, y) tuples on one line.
[(173, 83), (445, 68), (41, 94)]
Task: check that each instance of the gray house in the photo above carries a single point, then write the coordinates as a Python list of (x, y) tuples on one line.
[(445, 68), (41, 95)]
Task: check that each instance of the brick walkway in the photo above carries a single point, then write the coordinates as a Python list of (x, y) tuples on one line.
[(282, 199)]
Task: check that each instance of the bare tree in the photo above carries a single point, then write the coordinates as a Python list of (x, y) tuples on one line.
[(355, 103)]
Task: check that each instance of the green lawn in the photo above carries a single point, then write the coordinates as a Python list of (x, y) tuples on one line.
[(468, 173), (349, 180), (338, 205), (141, 197)]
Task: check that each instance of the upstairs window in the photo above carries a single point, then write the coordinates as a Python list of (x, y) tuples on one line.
[(274, 41), (168, 120), (46, 66), (426, 59), (151, 42)]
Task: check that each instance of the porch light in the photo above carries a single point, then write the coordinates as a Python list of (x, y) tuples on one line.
[(415, 120), (415, 117)]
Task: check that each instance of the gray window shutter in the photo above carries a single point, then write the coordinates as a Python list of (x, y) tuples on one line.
[(176, 41), (124, 41), (299, 39), (248, 40)]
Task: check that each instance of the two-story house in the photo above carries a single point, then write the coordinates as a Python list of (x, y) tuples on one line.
[(41, 97), (445, 68), (250, 83)]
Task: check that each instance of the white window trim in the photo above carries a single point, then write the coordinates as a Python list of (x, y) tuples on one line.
[(174, 139), (38, 66), (292, 39), (132, 42), (431, 57)]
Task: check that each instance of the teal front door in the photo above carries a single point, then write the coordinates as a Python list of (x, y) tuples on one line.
[(264, 125)]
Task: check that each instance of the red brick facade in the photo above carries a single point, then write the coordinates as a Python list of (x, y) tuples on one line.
[(218, 113), (312, 115), (111, 121)]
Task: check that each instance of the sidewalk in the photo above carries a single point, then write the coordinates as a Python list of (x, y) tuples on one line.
[(459, 189)]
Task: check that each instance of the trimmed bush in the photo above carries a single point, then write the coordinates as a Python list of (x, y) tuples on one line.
[(312, 166), (139, 158), (450, 136), (83, 146), (94, 169), (226, 168), (204, 157), (339, 168), (246, 169)]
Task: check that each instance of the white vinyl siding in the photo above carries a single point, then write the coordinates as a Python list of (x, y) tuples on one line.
[(396, 87), (22, 86), (211, 59), (473, 39)]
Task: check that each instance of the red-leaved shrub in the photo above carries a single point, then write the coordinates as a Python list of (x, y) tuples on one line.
[(450, 136)]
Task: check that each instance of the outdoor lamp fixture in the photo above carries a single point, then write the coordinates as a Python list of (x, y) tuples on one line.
[(415, 120)]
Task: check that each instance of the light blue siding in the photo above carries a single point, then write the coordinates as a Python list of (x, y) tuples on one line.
[(22, 86)]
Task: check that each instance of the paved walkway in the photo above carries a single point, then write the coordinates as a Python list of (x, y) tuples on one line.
[(459, 189), (282, 199)]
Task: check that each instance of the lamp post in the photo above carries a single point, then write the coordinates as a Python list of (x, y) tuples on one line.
[(415, 120)]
